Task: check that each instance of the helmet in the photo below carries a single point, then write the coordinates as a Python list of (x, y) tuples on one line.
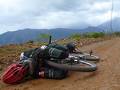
[(14, 74), (43, 47), (71, 46)]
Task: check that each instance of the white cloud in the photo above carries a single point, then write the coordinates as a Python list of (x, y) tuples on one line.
[(19, 14), (58, 19), (100, 6)]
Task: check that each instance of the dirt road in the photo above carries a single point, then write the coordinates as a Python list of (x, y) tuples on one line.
[(107, 77)]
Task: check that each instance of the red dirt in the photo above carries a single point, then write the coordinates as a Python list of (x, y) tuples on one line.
[(107, 77)]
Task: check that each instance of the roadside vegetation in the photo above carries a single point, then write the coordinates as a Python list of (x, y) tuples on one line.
[(44, 38), (94, 35), (87, 35)]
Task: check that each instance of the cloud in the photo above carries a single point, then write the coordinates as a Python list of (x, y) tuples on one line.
[(19, 14)]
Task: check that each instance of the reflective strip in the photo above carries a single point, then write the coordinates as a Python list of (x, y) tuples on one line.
[(49, 74), (52, 74), (51, 51)]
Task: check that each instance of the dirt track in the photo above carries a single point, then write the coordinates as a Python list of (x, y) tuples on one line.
[(107, 77)]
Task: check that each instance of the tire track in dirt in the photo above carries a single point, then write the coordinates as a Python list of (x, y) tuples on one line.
[(107, 77)]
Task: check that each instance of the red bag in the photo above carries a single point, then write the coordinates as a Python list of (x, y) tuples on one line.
[(14, 74)]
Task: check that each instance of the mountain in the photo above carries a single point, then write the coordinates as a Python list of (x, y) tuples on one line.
[(21, 36), (115, 25), (59, 33)]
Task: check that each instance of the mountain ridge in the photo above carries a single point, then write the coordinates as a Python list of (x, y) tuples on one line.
[(23, 35)]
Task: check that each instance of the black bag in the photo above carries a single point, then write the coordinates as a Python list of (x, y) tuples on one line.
[(57, 46), (54, 73), (57, 51)]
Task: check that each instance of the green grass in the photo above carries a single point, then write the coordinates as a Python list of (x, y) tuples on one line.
[(75, 36), (87, 35), (94, 35)]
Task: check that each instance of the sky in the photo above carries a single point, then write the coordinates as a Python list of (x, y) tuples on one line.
[(46, 14)]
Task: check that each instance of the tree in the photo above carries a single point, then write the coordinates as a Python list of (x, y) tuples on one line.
[(43, 37)]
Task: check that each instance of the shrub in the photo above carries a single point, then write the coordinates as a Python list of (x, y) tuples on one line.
[(43, 37), (30, 41), (75, 36), (116, 33), (94, 34)]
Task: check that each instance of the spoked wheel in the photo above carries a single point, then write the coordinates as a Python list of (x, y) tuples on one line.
[(85, 56), (73, 64)]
